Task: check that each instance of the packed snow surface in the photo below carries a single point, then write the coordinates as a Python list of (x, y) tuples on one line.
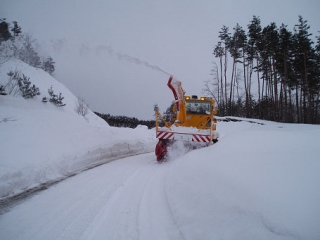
[(260, 181)]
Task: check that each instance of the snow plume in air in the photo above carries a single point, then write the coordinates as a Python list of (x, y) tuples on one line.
[(126, 57)]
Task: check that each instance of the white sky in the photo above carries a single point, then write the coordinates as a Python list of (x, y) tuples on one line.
[(177, 36)]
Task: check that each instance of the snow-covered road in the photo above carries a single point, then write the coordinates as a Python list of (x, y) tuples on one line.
[(124, 199), (257, 182)]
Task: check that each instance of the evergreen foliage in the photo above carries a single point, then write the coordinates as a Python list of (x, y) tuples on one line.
[(48, 65), (56, 99), (132, 122), (168, 115), (124, 121), (16, 29), (22, 83), (155, 107), (22, 47), (2, 90), (25, 87), (282, 65), (5, 34)]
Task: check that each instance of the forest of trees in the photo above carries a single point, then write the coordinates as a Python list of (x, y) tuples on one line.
[(274, 73), (15, 44), (123, 121)]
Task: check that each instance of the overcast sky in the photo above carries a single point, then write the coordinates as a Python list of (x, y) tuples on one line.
[(110, 52)]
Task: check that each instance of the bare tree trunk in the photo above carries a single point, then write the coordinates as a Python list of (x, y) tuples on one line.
[(231, 86), (281, 96), (309, 107), (246, 89), (225, 81), (221, 80), (259, 88), (250, 71), (275, 86)]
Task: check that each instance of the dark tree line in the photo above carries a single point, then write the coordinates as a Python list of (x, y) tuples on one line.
[(14, 44), (274, 73), (124, 121)]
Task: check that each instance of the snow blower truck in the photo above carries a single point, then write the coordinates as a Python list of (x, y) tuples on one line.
[(193, 121)]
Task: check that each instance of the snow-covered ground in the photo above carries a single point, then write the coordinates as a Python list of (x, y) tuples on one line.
[(260, 181), (41, 142)]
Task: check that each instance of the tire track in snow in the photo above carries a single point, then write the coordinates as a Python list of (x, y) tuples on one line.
[(156, 220), (109, 204), (124, 199), (136, 208), (117, 220), (71, 208)]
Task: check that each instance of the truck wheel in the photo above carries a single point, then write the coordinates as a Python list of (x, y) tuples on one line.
[(161, 150)]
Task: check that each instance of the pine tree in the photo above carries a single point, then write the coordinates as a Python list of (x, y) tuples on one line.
[(48, 66), (169, 115), (219, 53), (254, 39), (57, 100), (224, 36), (285, 72), (2, 90), (268, 51), (304, 62), (237, 45), (4, 30), (155, 108), (25, 87), (16, 29), (317, 75)]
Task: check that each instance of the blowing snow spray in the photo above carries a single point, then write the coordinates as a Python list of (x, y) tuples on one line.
[(128, 58)]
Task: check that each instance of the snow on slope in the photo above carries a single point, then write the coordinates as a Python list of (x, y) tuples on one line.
[(257, 178), (42, 142)]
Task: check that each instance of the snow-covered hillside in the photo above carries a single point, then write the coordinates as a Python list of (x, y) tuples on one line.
[(41, 142), (260, 181)]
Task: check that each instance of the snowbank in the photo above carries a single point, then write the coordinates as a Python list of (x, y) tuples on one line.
[(257, 182), (41, 142)]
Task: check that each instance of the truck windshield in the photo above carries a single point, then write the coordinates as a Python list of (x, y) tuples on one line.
[(198, 107)]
